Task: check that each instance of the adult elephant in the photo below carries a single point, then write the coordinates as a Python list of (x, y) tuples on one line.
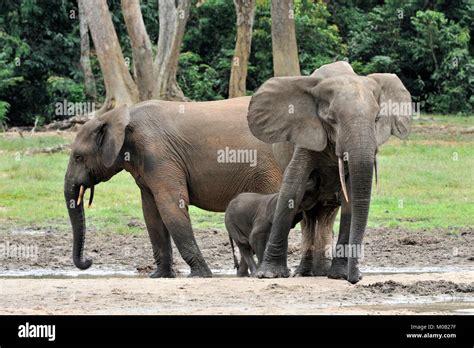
[(336, 119), (199, 153)]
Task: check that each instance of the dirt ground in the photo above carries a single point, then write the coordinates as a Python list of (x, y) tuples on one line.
[(405, 272)]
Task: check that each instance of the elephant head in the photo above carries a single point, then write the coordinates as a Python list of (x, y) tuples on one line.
[(93, 159), (355, 114)]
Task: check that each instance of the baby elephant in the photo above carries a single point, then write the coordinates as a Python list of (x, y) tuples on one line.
[(249, 217)]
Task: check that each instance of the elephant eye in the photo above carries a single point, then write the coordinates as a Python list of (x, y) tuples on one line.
[(377, 118), (331, 120), (78, 158)]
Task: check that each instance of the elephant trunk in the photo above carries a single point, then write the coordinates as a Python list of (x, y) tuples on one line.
[(78, 223), (361, 168)]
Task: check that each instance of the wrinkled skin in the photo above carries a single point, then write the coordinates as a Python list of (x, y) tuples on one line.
[(171, 150), (249, 217), (316, 226), (335, 118)]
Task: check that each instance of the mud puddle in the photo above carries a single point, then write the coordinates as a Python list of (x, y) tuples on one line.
[(386, 250), (49, 273), (46, 281)]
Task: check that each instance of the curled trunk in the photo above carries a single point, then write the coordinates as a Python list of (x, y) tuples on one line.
[(78, 223)]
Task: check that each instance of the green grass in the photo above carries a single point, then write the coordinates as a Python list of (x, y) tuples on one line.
[(421, 185), (28, 141), (444, 119)]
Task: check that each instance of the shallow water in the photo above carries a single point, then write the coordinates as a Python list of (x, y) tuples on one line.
[(99, 272)]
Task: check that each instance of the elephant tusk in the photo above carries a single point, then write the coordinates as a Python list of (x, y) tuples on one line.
[(376, 174), (91, 197), (342, 178), (81, 195)]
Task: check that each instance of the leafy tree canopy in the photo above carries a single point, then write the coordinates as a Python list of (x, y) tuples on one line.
[(428, 43)]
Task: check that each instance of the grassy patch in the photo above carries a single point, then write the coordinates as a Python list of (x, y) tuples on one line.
[(28, 141), (424, 186), (426, 182)]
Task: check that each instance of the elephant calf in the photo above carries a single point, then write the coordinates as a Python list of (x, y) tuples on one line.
[(249, 217)]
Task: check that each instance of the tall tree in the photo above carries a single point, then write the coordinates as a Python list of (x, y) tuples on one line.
[(245, 10), (89, 81), (119, 85), (285, 50), (173, 17), (142, 53)]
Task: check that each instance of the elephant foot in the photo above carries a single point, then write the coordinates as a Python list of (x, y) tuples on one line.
[(163, 273), (354, 274), (355, 277), (305, 269), (339, 270), (273, 270), (200, 272), (321, 267), (303, 273), (243, 274)]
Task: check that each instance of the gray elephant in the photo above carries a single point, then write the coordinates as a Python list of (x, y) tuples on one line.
[(179, 154), (249, 217), (337, 120)]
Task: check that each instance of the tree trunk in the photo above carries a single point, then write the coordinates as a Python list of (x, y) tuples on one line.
[(89, 82), (285, 50), (120, 88), (245, 10), (173, 17), (141, 49)]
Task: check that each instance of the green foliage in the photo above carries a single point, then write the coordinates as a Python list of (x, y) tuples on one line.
[(4, 106), (443, 46), (428, 49), (319, 42), (198, 81), (47, 43), (13, 50), (62, 88), (426, 42)]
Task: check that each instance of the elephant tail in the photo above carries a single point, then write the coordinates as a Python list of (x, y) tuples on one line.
[(236, 262)]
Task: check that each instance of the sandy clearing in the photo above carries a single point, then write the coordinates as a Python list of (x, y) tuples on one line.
[(234, 296)]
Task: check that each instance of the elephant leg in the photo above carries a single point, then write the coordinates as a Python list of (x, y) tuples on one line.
[(274, 262), (247, 255), (243, 270), (172, 202), (326, 217), (308, 228), (339, 267), (159, 237), (258, 241)]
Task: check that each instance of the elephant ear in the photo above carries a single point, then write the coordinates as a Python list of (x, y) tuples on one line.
[(111, 134), (395, 108), (283, 109)]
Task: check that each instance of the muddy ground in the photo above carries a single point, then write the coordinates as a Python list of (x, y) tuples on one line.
[(406, 272), (383, 247)]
